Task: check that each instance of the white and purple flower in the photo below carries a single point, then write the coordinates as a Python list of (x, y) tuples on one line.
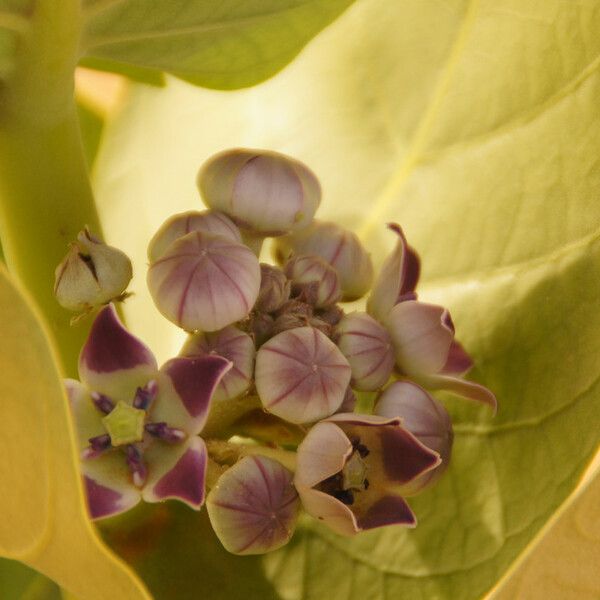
[(137, 425)]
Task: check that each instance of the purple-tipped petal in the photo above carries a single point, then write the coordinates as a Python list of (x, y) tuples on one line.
[(301, 376), (315, 279), (368, 348), (420, 336), (426, 419), (461, 387), (176, 472), (458, 361), (339, 247), (322, 453), (254, 506), (205, 281), (232, 344), (388, 510), (207, 221), (186, 387), (104, 501), (113, 361), (397, 279)]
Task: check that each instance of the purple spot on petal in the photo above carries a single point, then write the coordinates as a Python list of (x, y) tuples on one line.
[(411, 272), (404, 458), (195, 380), (389, 510), (185, 480), (102, 501), (458, 360), (110, 347)]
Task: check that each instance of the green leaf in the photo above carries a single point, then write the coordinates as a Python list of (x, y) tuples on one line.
[(19, 582), (476, 126), (213, 43)]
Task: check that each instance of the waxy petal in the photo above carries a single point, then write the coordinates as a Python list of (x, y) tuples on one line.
[(339, 247), (387, 510), (301, 376), (397, 279), (367, 346), (421, 337), (426, 419), (329, 511), (106, 501), (87, 417), (186, 387), (322, 453), (461, 387), (254, 506), (205, 281), (113, 361), (176, 472), (458, 361), (232, 344), (208, 221)]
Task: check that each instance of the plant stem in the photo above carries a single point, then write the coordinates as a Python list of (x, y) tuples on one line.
[(45, 194)]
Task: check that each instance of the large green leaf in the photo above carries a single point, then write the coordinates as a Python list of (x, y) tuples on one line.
[(476, 125), (221, 44)]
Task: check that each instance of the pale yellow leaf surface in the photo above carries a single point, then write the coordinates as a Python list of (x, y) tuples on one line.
[(564, 561), (44, 523)]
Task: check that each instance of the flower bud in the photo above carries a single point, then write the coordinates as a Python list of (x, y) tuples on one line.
[(91, 274), (232, 344), (337, 246), (265, 192), (208, 221), (254, 506), (426, 419), (274, 289), (301, 376), (314, 278), (368, 348), (204, 281)]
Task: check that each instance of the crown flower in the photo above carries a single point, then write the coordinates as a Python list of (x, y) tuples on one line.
[(137, 424), (349, 467), (275, 371)]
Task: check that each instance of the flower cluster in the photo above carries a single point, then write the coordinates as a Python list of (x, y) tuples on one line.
[(271, 369)]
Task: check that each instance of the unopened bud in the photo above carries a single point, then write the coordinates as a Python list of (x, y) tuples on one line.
[(204, 281), (315, 278), (208, 221), (265, 192), (92, 273), (368, 348), (274, 289), (254, 506), (301, 376), (337, 246)]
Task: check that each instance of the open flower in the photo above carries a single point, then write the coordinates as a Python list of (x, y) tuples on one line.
[(350, 467), (137, 425)]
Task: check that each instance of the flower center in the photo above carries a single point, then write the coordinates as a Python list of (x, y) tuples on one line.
[(125, 424)]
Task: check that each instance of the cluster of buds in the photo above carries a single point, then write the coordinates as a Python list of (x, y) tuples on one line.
[(271, 369)]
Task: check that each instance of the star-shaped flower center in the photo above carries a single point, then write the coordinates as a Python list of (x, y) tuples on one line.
[(125, 424)]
